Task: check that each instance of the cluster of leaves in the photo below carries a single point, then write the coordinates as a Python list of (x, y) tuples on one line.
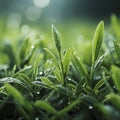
[(38, 84)]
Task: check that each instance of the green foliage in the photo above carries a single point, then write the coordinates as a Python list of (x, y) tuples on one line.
[(115, 23), (45, 106), (39, 81), (117, 48), (116, 76), (97, 41), (57, 39)]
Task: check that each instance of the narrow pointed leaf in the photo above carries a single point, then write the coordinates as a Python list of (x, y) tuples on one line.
[(18, 96), (67, 109), (100, 84), (101, 59), (22, 51), (15, 93), (46, 81), (67, 60), (45, 106), (115, 99), (116, 76), (57, 38), (117, 48), (79, 66), (13, 80), (50, 54), (97, 41)]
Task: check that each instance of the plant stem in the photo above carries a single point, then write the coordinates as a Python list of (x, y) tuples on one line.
[(91, 75)]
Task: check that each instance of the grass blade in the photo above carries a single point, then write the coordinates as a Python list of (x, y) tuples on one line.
[(79, 66), (62, 112), (45, 106), (101, 59), (13, 80), (117, 48), (115, 99), (57, 39), (18, 97), (46, 81), (100, 84), (116, 76), (51, 54), (22, 52), (15, 93), (66, 60), (97, 41)]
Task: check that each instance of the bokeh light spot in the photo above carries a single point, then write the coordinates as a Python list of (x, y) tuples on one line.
[(25, 29), (14, 21), (41, 3), (33, 13)]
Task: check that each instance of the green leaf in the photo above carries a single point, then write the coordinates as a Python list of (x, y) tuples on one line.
[(115, 25), (25, 78), (45, 106), (66, 60), (79, 87), (27, 58), (116, 76), (117, 48), (23, 113), (46, 81), (97, 41), (10, 52), (62, 112), (22, 52), (18, 96), (51, 54), (115, 99), (106, 111), (58, 77), (57, 39), (36, 65), (100, 60), (13, 80), (100, 83), (15, 93), (25, 69), (79, 66)]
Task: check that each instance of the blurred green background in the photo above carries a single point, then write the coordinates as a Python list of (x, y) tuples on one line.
[(76, 19), (54, 10)]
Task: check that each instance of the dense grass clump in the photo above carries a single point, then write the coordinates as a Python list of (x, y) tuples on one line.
[(37, 83)]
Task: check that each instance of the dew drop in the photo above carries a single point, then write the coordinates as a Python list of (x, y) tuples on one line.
[(69, 78), (38, 93), (90, 107), (36, 118), (32, 46), (41, 73)]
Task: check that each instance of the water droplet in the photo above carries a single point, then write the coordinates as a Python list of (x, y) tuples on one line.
[(90, 107), (25, 29), (41, 3), (32, 46), (49, 61), (68, 103), (41, 73), (36, 118), (69, 78), (38, 93)]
